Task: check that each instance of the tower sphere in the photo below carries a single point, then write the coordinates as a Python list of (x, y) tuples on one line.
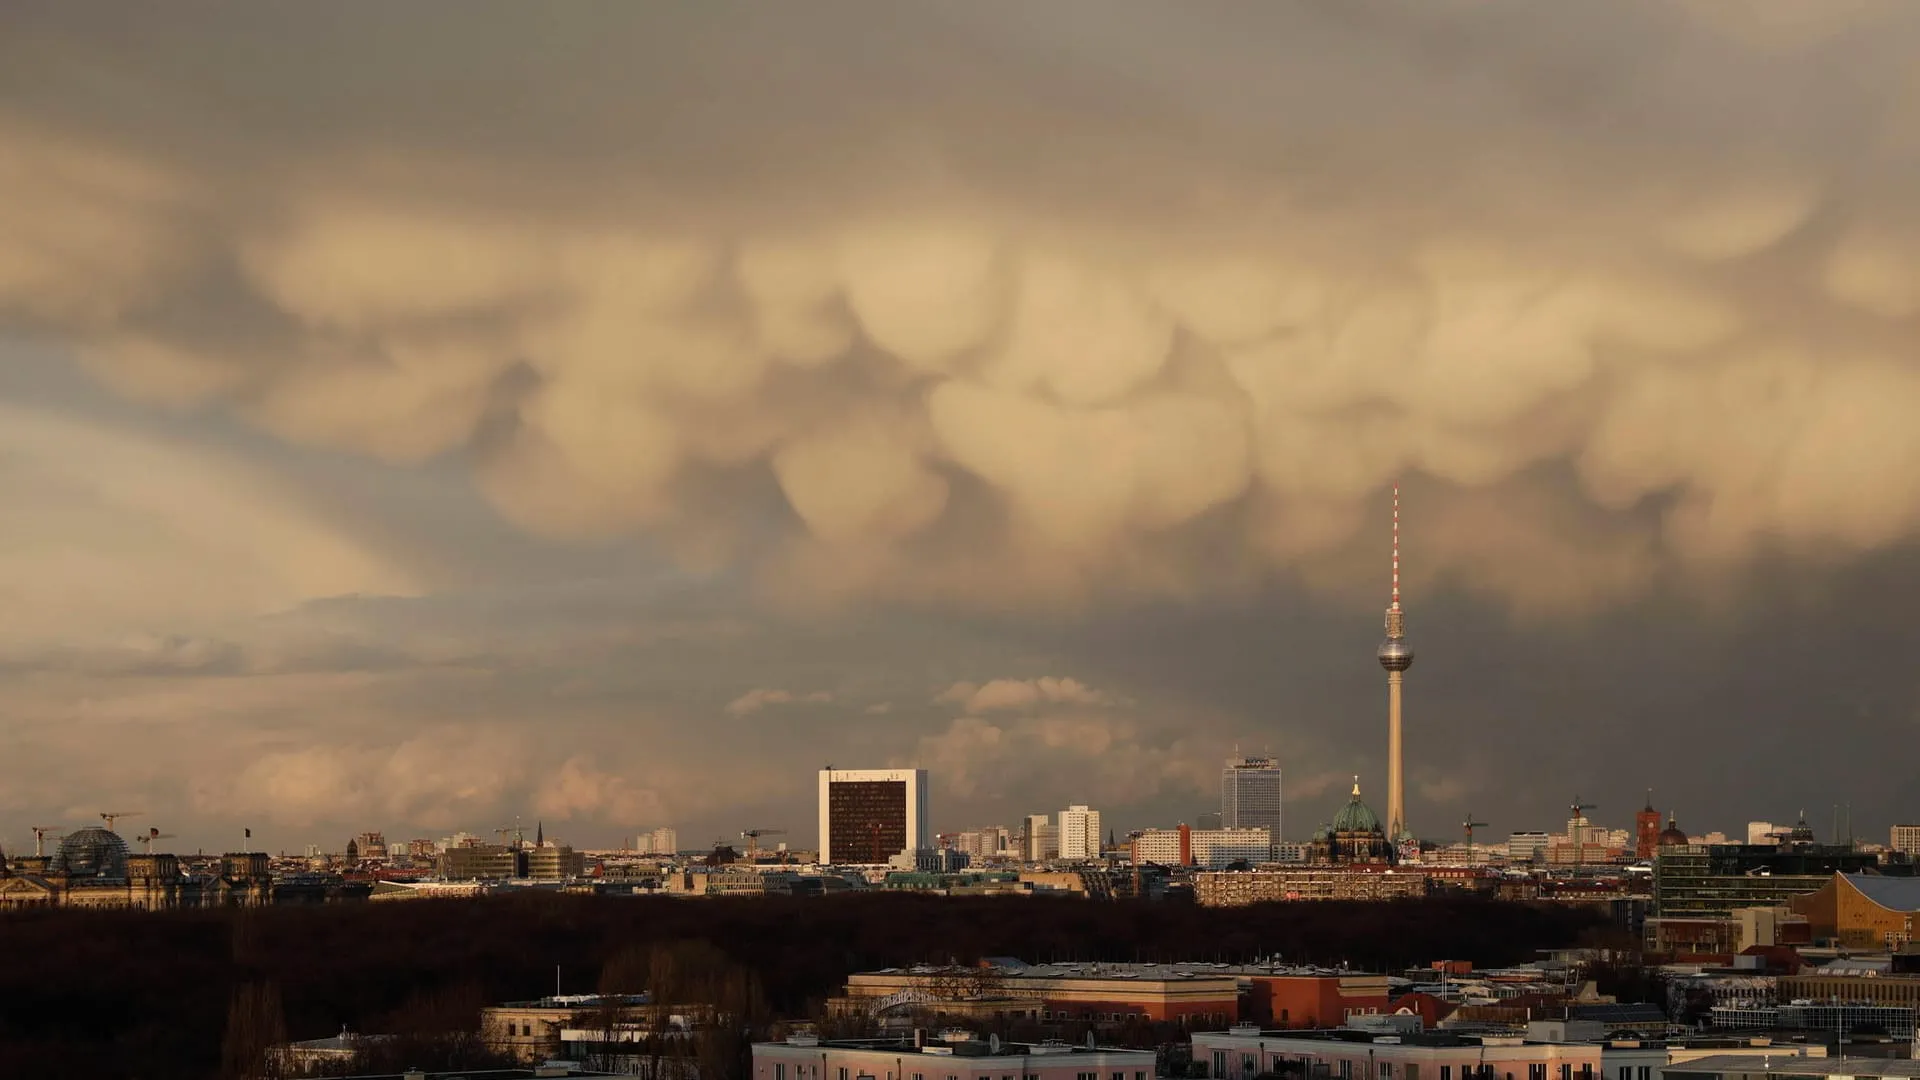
[(1395, 654)]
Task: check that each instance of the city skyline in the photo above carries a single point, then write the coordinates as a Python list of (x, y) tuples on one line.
[(610, 432)]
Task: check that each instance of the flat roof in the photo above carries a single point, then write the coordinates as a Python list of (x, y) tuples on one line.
[(971, 1049), (1181, 971), (1790, 1065)]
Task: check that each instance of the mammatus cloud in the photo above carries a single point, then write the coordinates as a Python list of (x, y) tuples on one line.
[(997, 318), (999, 694)]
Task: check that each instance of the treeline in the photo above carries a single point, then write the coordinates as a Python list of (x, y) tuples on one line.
[(194, 993)]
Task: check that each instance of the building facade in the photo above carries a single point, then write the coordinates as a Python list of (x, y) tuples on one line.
[(1250, 795), (1210, 849), (1079, 833), (1244, 1052), (1040, 841), (868, 816), (1905, 839), (1099, 994), (805, 1057), (1235, 888), (1719, 879)]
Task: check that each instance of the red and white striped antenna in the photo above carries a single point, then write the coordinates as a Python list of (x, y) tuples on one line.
[(1396, 545)]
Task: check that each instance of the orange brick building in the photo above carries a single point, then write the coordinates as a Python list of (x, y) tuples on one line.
[(1313, 1000), (1862, 910)]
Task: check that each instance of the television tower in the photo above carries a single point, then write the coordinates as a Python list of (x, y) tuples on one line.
[(1396, 656)]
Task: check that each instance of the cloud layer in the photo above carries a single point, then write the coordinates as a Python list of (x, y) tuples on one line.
[(1006, 312), (975, 309)]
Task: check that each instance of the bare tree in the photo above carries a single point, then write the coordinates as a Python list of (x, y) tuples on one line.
[(256, 1022)]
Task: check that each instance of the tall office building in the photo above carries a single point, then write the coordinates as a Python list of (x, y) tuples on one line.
[(1396, 656), (868, 816), (1079, 833), (1250, 795)]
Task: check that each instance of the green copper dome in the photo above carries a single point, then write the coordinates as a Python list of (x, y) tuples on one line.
[(1355, 817)]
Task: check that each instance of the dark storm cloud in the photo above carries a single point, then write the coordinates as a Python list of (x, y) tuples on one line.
[(1082, 320)]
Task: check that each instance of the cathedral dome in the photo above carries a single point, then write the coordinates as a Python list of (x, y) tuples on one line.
[(1355, 817), (92, 852), (1672, 835)]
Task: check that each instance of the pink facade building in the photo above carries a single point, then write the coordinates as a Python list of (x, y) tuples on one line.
[(1245, 1052), (803, 1057)]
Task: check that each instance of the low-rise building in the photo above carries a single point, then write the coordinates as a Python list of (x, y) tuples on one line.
[(530, 1031), (1785, 1067), (1232, 888), (556, 862), (1395, 1053), (1093, 993)]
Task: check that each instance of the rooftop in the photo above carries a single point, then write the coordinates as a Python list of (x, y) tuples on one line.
[(1892, 893), (956, 1044), (572, 1002), (1150, 972), (1787, 1066)]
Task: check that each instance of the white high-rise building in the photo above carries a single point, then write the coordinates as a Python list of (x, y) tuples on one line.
[(1250, 795), (1079, 833), (1761, 832), (1905, 839), (868, 816), (661, 841)]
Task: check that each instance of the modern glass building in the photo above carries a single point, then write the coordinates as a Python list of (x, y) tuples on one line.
[(1250, 795)]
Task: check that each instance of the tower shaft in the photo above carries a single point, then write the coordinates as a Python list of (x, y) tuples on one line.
[(1396, 795)]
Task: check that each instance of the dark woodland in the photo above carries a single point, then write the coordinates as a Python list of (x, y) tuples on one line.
[(201, 993)]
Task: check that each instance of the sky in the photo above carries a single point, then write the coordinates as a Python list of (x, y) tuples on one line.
[(427, 417)]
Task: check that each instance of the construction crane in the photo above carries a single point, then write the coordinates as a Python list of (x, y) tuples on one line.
[(1575, 815), (1471, 825), (40, 834), (147, 838), (112, 816), (752, 837)]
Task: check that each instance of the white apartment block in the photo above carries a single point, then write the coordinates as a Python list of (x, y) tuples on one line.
[(1905, 839), (1079, 833), (1211, 849), (1217, 848)]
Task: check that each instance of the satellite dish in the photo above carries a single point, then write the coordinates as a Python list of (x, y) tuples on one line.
[(993, 1043), (1089, 1040)]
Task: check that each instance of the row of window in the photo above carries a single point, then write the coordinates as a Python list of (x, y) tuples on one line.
[(1250, 1066)]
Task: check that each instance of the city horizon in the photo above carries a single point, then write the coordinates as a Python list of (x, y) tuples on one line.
[(420, 436)]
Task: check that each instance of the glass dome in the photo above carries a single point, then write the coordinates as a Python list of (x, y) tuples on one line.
[(92, 852)]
